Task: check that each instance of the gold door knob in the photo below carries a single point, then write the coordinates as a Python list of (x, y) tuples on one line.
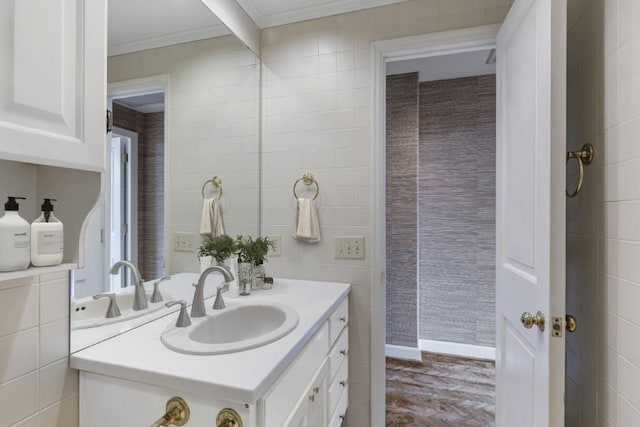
[(177, 413), (571, 323), (528, 320)]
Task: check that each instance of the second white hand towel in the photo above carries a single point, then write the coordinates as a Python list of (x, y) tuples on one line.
[(211, 222), (307, 227)]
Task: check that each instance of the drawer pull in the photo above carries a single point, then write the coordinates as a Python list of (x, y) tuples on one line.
[(343, 383), (343, 319), (316, 390), (343, 352), (312, 398), (342, 417)]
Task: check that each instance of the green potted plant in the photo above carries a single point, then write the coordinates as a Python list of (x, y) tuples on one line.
[(219, 248), (254, 253)]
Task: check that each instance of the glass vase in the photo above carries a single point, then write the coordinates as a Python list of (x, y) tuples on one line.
[(258, 276), (246, 277)]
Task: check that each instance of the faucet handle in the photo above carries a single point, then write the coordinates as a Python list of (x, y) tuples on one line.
[(219, 302), (157, 296), (113, 310), (183, 318)]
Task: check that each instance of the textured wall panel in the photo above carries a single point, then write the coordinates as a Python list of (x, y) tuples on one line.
[(457, 210), (402, 209)]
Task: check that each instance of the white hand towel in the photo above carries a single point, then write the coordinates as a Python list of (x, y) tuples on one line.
[(307, 227), (211, 222)]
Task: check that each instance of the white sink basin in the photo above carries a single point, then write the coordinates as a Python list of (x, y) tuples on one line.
[(232, 329), (90, 313)]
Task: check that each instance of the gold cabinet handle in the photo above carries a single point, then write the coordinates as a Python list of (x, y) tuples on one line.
[(528, 320), (228, 417), (312, 398), (177, 413)]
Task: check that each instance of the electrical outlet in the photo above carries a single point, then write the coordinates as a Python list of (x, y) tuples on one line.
[(184, 242), (277, 245), (349, 247)]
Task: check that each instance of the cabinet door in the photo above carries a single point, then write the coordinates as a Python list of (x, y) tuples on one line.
[(53, 82)]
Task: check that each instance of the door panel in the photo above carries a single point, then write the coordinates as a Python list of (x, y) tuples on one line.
[(53, 81), (530, 208)]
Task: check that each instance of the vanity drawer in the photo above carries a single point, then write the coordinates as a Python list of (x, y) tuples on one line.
[(340, 411), (282, 399), (338, 320), (339, 386), (339, 354)]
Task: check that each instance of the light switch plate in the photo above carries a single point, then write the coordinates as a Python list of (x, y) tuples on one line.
[(185, 242), (277, 243), (349, 247)]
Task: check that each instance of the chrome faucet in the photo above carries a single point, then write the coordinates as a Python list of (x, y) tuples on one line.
[(139, 299), (197, 308)]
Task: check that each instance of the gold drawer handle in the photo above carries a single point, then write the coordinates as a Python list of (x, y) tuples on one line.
[(312, 398), (228, 417), (177, 413)]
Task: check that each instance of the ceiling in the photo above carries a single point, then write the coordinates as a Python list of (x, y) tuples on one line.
[(442, 67), (148, 103), (146, 24)]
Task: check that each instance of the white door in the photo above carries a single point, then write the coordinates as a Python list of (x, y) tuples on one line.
[(530, 259), (53, 82)]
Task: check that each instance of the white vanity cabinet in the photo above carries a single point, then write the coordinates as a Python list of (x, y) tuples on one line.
[(311, 391), (53, 85)]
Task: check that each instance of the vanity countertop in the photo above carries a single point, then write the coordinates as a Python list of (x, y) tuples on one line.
[(245, 376)]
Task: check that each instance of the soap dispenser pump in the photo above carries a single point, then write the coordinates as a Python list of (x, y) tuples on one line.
[(47, 239), (14, 238)]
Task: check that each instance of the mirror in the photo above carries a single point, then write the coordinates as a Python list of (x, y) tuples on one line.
[(185, 96)]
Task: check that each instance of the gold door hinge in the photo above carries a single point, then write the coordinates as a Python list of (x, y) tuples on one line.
[(109, 121)]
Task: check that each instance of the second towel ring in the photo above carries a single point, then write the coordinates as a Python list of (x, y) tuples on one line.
[(307, 179), (584, 156), (216, 182)]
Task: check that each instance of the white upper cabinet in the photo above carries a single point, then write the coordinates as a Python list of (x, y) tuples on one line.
[(53, 82)]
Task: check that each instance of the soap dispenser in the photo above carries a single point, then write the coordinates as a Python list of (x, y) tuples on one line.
[(47, 239), (14, 238)]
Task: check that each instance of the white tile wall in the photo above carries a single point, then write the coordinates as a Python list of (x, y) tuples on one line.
[(213, 130), (604, 108), (317, 118), (37, 387)]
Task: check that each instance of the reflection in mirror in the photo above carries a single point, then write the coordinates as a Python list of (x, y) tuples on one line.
[(185, 99)]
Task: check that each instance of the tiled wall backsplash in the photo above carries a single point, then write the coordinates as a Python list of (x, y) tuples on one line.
[(317, 117), (213, 126), (37, 387)]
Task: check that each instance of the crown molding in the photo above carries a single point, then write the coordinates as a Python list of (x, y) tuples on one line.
[(312, 12), (168, 40)]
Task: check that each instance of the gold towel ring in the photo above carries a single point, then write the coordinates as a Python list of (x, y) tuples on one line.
[(217, 182), (584, 156), (307, 179)]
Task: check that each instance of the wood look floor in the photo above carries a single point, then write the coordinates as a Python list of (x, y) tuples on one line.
[(440, 391)]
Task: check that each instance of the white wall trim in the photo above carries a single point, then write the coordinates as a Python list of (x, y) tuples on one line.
[(433, 44), (310, 12), (458, 349), (168, 40), (402, 352)]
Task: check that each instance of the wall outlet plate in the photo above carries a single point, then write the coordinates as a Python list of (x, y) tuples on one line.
[(185, 242), (349, 247), (277, 243)]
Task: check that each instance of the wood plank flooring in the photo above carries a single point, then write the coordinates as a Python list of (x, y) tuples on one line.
[(440, 391)]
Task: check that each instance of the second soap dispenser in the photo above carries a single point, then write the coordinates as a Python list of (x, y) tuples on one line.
[(47, 237)]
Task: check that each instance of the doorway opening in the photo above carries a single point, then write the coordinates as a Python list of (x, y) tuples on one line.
[(123, 197), (440, 239), (422, 172)]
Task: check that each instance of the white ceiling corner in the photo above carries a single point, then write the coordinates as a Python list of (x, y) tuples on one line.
[(270, 13)]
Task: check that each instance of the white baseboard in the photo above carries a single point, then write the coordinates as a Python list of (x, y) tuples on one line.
[(457, 349), (402, 352)]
